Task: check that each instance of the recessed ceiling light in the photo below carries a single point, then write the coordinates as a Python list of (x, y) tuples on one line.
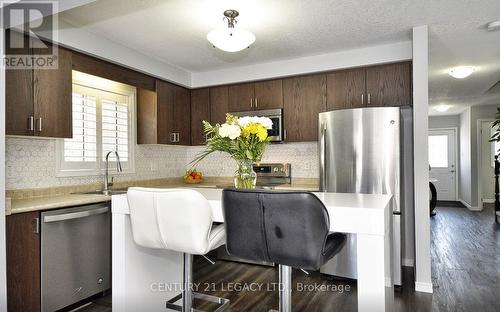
[(461, 72), (442, 108), (231, 39), (493, 26)]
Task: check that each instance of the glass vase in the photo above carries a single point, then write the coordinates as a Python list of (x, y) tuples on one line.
[(245, 177)]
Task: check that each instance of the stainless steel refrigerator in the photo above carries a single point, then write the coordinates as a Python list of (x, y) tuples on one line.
[(365, 150)]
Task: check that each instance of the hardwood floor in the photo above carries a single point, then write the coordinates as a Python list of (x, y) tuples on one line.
[(465, 270)]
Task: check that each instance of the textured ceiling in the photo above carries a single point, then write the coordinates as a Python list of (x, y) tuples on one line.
[(174, 32), (464, 43)]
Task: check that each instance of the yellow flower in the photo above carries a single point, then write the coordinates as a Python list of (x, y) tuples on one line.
[(259, 130)]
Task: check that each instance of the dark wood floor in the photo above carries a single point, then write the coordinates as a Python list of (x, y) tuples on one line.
[(465, 270)]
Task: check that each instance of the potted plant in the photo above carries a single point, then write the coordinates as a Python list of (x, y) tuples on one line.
[(245, 139), (496, 127)]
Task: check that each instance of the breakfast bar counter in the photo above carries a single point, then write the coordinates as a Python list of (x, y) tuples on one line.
[(143, 279)]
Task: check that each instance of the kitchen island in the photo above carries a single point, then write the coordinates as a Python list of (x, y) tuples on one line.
[(143, 279)]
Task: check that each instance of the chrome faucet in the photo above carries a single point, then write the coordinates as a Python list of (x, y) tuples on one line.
[(107, 184)]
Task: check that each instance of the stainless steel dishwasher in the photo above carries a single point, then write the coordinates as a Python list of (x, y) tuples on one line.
[(76, 252)]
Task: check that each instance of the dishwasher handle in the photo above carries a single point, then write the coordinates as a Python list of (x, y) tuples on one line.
[(75, 215)]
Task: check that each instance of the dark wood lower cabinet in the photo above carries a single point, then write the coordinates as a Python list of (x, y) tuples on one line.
[(23, 262)]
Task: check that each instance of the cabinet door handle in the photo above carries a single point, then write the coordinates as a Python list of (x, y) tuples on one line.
[(256, 102), (39, 120), (35, 223), (362, 99), (31, 123), (369, 98), (251, 102), (284, 135)]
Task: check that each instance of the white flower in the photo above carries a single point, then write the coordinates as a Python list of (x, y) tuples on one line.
[(229, 131), (264, 121)]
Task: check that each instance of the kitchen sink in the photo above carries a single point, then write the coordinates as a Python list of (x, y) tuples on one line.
[(103, 192)]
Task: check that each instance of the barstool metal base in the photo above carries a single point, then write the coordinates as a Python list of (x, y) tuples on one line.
[(224, 303), (188, 294), (285, 289)]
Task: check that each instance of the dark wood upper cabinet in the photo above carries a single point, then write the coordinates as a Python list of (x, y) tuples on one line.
[(268, 94), (200, 111), (165, 93), (303, 99), (164, 116), (219, 104), (52, 89), (147, 114), (19, 106), (346, 89), (182, 116), (389, 85), (241, 97), (39, 101), (23, 261)]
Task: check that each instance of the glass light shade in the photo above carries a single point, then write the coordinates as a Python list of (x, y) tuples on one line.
[(231, 39), (461, 71)]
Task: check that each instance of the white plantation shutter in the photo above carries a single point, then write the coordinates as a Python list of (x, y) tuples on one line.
[(101, 123), (83, 145), (115, 129)]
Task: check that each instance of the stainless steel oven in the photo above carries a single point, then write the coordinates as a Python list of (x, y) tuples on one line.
[(276, 115)]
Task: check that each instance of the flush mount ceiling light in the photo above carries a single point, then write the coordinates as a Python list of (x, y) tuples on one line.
[(231, 39), (493, 26), (461, 72), (442, 108)]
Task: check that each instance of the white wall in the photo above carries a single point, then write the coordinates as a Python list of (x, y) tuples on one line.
[(452, 121), (423, 281), (344, 59), (464, 182)]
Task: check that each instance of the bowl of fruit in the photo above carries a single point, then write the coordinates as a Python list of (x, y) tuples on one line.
[(192, 176)]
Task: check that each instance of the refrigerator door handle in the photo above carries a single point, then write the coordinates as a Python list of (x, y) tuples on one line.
[(322, 156)]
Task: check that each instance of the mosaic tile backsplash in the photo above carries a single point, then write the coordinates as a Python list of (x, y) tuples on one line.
[(31, 163)]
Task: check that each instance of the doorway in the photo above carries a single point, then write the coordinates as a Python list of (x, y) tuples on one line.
[(442, 162), (486, 156)]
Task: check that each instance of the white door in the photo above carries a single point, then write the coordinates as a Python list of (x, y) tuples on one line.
[(442, 150)]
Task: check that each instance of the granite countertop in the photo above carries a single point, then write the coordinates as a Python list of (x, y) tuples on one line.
[(46, 201)]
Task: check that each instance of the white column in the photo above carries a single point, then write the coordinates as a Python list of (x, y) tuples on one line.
[(423, 280)]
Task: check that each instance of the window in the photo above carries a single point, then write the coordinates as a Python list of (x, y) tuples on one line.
[(102, 122), (438, 151)]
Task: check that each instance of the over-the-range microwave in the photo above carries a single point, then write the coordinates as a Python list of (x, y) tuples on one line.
[(276, 116)]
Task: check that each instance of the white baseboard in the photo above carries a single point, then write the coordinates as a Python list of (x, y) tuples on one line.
[(488, 201), (466, 204), (423, 287), (408, 262)]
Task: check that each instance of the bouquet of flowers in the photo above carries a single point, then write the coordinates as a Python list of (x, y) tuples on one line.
[(245, 139)]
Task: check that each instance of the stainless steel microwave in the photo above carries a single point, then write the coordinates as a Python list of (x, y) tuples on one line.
[(276, 115)]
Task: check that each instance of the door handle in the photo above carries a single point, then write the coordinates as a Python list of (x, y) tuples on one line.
[(322, 158), (256, 102), (251, 102), (362, 99), (452, 170), (39, 124), (75, 215), (31, 123)]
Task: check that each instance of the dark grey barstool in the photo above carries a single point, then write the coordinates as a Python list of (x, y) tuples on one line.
[(287, 228)]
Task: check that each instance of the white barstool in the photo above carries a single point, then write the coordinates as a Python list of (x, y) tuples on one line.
[(179, 220)]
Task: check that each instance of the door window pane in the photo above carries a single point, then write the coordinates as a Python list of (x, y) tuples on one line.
[(438, 151)]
